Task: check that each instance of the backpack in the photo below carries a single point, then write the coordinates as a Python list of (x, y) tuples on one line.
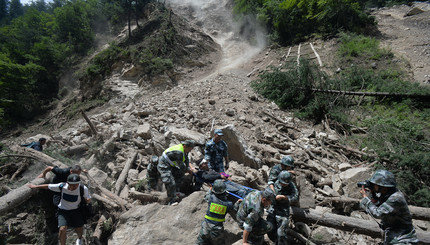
[(85, 208)]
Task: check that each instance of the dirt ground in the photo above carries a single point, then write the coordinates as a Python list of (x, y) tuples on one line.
[(408, 36)]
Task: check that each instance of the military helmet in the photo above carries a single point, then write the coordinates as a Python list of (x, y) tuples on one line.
[(73, 179), (189, 143), (288, 161), (219, 187), (383, 178), (268, 194), (284, 177)]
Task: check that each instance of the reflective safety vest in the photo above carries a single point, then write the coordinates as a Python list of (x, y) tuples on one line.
[(217, 209), (179, 147)]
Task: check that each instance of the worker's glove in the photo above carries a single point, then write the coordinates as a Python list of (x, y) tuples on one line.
[(226, 166)]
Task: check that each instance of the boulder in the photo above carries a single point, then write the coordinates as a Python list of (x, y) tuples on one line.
[(144, 131), (350, 178), (237, 149), (161, 224)]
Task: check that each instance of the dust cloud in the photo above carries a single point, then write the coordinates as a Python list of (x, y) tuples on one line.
[(240, 39)]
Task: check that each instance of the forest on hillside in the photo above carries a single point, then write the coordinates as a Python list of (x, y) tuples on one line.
[(41, 40)]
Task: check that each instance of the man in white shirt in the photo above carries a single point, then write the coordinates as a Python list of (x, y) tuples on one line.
[(69, 214)]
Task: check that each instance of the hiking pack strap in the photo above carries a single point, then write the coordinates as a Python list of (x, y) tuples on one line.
[(81, 189)]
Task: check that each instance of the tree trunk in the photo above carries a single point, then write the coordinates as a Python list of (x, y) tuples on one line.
[(76, 149), (416, 212), (154, 196), (120, 181), (359, 226), (17, 196)]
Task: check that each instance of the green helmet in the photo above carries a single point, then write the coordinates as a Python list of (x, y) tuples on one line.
[(219, 187), (189, 143), (288, 161), (268, 194), (284, 177), (383, 178)]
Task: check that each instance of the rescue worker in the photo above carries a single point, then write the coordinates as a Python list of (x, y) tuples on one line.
[(172, 166), (279, 212), (287, 163), (250, 215), (387, 203), (152, 174), (212, 230), (216, 151)]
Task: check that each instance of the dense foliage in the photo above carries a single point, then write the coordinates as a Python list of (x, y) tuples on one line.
[(295, 20), (39, 40), (397, 129)]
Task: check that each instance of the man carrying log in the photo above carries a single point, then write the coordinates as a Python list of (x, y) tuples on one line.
[(279, 212), (69, 214), (386, 202)]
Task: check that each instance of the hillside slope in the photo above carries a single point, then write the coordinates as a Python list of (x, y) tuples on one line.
[(214, 94)]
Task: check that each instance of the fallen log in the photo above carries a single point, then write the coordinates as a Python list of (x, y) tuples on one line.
[(105, 201), (98, 231), (93, 129), (18, 196), (105, 193), (416, 212), (154, 196), (120, 181), (345, 223), (40, 156), (76, 149), (21, 169)]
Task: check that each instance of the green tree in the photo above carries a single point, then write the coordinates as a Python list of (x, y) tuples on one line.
[(3, 10), (15, 9), (56, 4), (40, 5), (73, 25), (16, 92)]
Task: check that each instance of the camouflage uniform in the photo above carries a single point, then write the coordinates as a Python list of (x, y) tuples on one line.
[(280, 211), (172, 166), (277, 169), (392, 209), (274, 173), (212, 231), (215, 153), (250, 217), (152, 174)]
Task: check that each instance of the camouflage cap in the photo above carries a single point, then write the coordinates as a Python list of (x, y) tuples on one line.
[(284, 177), (268, 194), (219, 187), (189, 143), (383, 178), (218, 131), (288, 161), (73, 179)]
